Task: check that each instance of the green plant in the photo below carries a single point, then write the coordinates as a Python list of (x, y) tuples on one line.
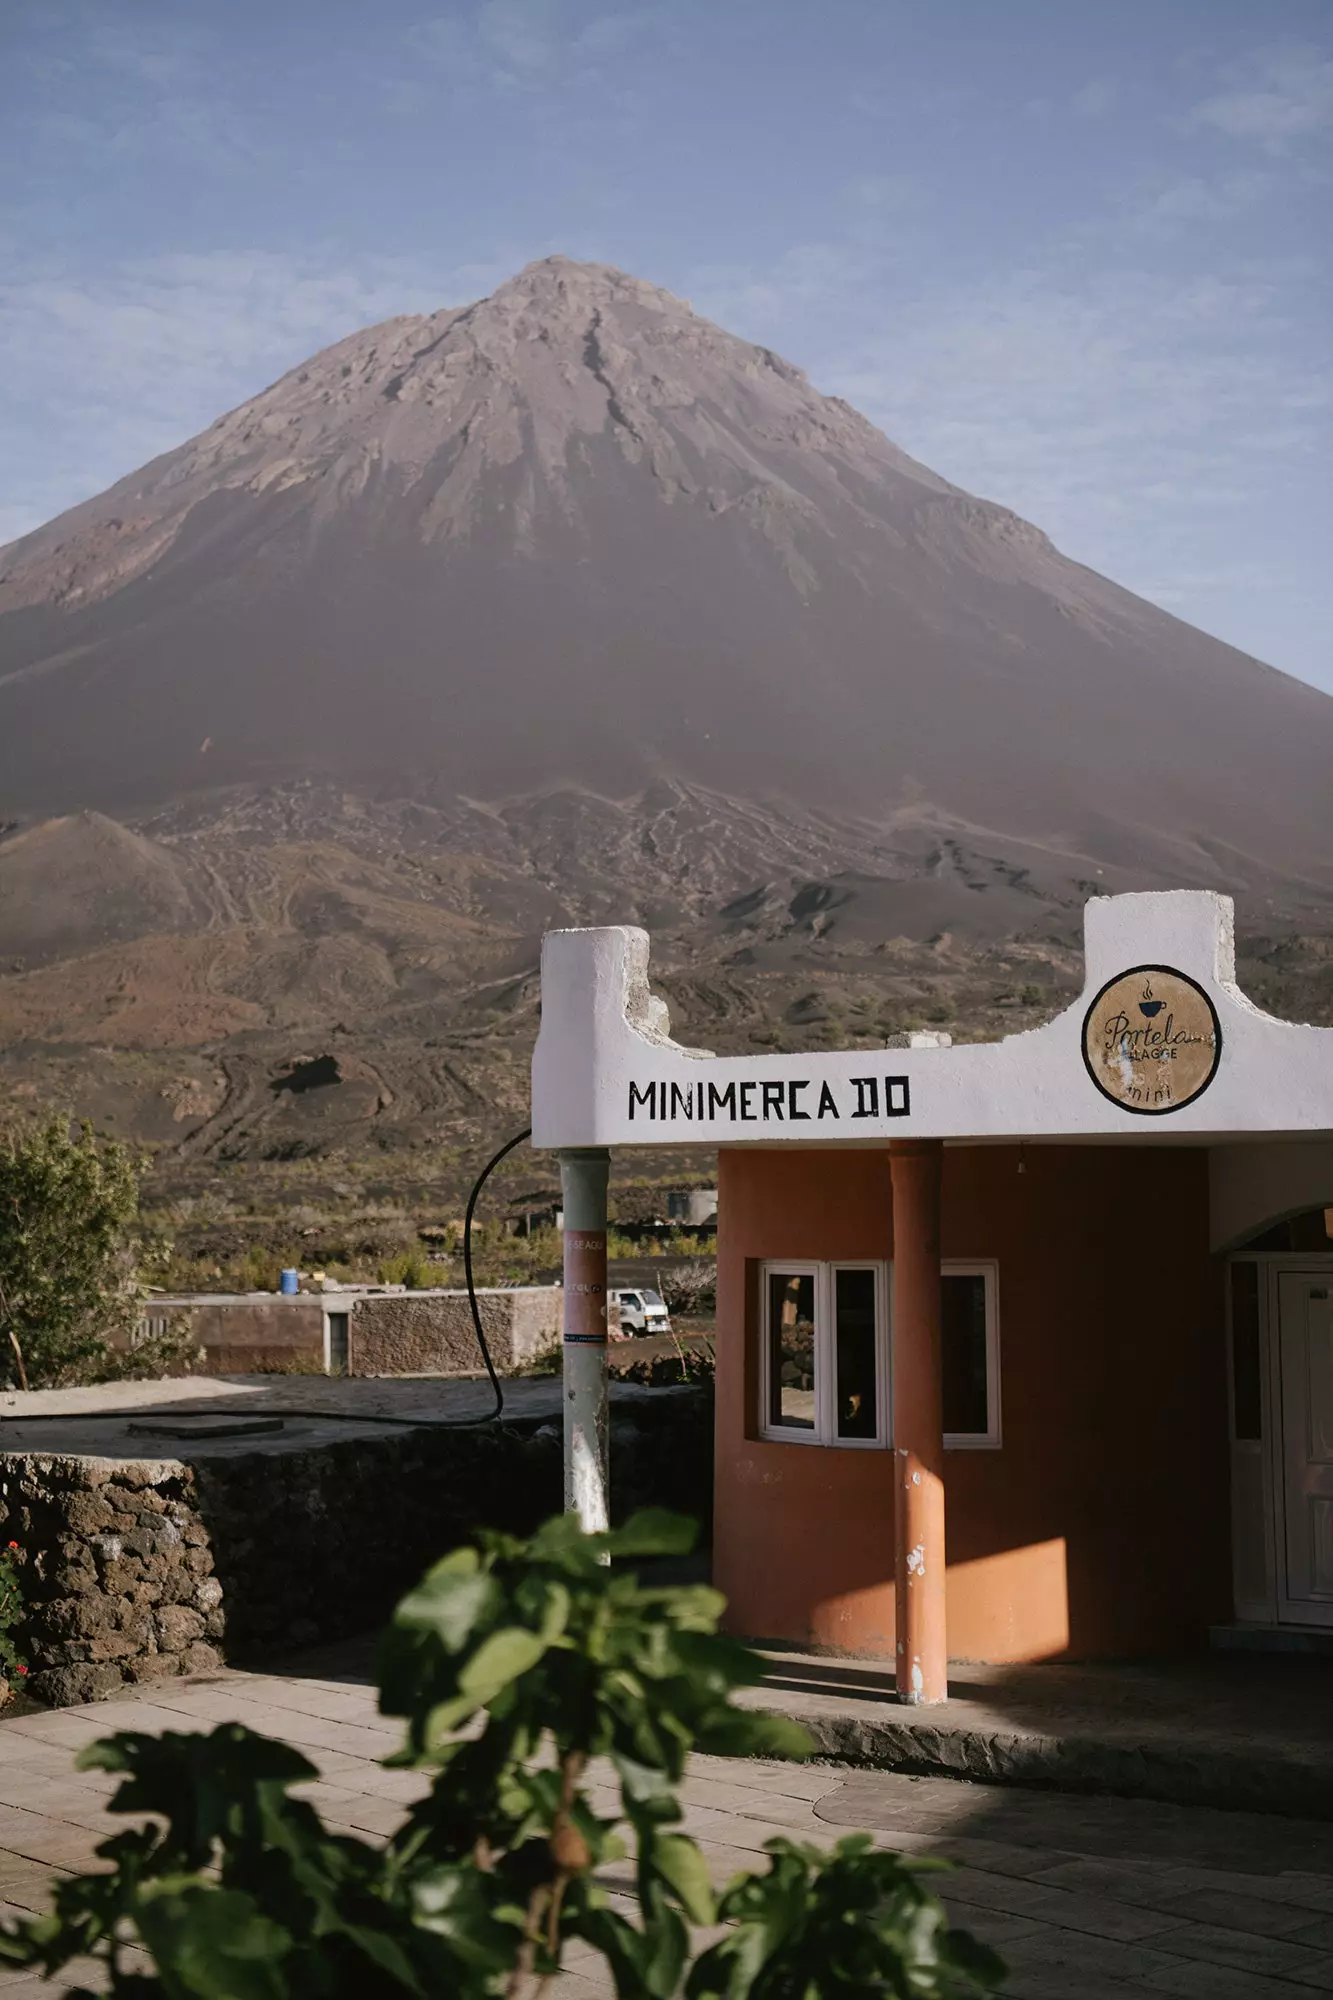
[(260, 1270), (13, 1666), (69, 1255), (294, 1363), (515, 1666), (410, 1267)]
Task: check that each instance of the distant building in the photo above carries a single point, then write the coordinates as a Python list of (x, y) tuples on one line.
[(365, 1330)]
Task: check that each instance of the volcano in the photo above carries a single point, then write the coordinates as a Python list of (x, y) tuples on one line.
[(575, 536), (568, 607)]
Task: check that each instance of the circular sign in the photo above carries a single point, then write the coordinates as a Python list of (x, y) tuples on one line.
[(1152, 1040)]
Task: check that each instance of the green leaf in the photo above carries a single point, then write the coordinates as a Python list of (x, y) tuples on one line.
[(653, 1531), (679, 1862), (555, 1615), (644, 1784), (562, 1543), (735, 1732), (450, 1603), (215, 1944), (500, 1659)]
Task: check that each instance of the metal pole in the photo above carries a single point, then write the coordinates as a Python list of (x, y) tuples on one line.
[(583, 1178)]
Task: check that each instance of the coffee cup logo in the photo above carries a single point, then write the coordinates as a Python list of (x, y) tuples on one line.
[(1152, 1040)]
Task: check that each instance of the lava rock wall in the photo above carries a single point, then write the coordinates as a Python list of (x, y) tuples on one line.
[(135, 1571)]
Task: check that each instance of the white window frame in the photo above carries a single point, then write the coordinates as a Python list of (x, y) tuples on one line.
[(986, 1268), (826, 1403), (824, 1431)]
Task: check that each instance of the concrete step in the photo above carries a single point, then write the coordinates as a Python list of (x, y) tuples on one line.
[(1242, 1638), (1250, 1733)]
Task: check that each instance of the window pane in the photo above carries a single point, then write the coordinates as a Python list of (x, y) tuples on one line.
[(963, 1336), (854, 1340), (791, 1349), (1245, 1395)]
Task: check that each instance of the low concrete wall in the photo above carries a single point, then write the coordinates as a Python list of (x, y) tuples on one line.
[(390, 1333), (136, 1570), (250, 1333)]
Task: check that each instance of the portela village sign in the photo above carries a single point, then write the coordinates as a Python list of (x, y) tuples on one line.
[(1152, 1040), (1162, 1031)]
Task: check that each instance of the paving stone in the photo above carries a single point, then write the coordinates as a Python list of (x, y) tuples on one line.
[(1224, 1945), (1084, 1896), (1237, 1909), (1067, 1984), (1318, 1934), (1096, 1916), (1195, 1980), (1305, 1891)]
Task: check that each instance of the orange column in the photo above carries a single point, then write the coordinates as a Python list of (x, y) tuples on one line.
[(918, 1422)]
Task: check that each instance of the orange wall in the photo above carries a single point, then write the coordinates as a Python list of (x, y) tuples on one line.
[(1102, 1525)]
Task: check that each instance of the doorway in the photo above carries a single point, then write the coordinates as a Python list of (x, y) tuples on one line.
[(336, 1346), (1280, 1341), (1304, 1361)]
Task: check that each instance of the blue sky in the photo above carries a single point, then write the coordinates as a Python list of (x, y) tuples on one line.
[(1074, 257)]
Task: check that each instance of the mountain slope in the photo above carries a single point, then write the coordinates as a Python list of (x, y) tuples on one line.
[(569, 607), (575, 536)]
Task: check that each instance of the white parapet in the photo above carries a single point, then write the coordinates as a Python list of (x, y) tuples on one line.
[(1161, 1045)]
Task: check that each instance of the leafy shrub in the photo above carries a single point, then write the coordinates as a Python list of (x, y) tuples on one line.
[(69, 1253), (13, 1666), (294, 1362), (411, 1267), (167, 1347), (260, 1270), (514, 1665)]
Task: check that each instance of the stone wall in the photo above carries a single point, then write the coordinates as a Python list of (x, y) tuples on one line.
[(431, 1333), (116, 1569), (135, 1571)]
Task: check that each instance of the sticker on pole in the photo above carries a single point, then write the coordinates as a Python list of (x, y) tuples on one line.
[(585, 1288), (1152, 1040)]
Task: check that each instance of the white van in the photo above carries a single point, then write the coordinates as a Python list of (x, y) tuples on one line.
[(641, 1311)]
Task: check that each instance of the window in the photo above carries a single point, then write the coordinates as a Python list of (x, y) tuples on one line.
[(825, 1345), (970, 1356), (825, 1353)]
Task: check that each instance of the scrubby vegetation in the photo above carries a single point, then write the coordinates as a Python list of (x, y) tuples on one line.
[(75, 1260)]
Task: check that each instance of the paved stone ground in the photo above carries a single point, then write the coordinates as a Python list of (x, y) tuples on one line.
[(1084, 1897)]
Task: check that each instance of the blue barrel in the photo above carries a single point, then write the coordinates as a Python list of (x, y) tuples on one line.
[(289, 1282)]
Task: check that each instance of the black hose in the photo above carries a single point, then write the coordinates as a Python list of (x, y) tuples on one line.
[(481, 1181)]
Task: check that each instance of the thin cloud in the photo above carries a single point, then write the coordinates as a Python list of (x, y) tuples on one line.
[(1133, 412), (531, 44), (1095, 99), (131, 363), (163, 87), (1289, 97)]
